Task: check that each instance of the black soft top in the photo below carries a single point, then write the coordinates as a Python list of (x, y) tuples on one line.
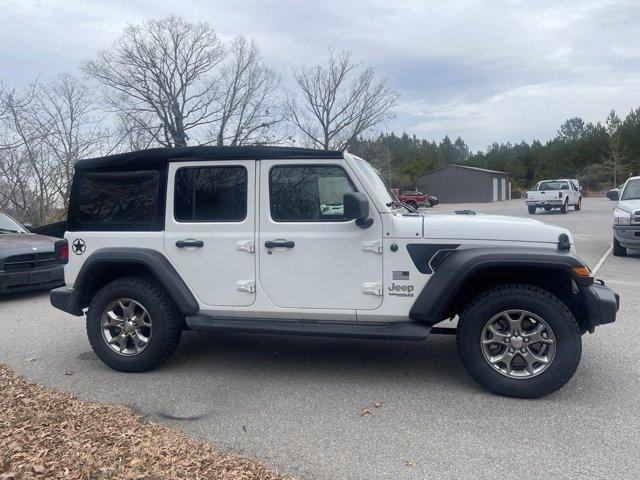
[(159, 156)]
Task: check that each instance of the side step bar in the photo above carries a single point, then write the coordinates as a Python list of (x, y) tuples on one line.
[(389, 331)]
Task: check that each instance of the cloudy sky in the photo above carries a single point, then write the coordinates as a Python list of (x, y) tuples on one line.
[(486, 70)]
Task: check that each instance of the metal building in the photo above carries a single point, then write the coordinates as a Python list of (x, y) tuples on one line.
[(464, 184)]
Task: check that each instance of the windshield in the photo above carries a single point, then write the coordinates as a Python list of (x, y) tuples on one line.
[(552, 185), (631, 191), (382, 191), (9, 225)]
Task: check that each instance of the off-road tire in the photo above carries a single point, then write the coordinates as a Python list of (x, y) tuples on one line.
[(412, 204), (618, 250), (166, 320), (578, 205), (532, 210), (537, 301), (564, 207)]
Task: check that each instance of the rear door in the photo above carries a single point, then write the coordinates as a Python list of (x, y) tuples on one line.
[(310, 256), (210, 229)]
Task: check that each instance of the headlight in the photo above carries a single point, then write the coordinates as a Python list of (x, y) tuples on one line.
[(622, 221)]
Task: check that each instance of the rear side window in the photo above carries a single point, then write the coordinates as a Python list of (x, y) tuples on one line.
[(308, 193), (109, 198), (211, 194)]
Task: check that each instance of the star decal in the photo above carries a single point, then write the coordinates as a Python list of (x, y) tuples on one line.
[(78, 246)]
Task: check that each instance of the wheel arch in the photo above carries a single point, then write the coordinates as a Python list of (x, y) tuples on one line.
[(465, 273), (108, 264)]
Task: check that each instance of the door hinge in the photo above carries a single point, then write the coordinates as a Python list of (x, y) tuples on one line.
[(246, 286), (372, 289), (375, 246), (246, 245)]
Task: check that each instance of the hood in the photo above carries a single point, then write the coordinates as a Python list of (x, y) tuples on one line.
[(21, 243), (629, 205), (491, 227)]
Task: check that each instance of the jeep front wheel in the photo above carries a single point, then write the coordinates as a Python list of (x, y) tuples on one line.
[(519, 341), (132, 325)]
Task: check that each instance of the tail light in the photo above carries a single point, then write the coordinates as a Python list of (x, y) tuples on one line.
[(61, 250)]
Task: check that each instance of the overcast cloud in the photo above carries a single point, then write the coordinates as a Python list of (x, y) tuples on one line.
[(483, 70)]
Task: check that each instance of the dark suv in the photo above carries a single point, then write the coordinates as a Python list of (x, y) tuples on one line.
[(27, 261)]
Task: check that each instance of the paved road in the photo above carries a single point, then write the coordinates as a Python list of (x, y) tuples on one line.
[(294, 402)]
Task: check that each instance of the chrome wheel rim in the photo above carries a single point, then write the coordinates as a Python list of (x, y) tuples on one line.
[(126, 327), (518, 344)]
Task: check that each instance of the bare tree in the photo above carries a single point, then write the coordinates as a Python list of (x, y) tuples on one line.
[(44, 130), (249, 107), (333, 111), (65, 113), (27, 175), (164, 70)]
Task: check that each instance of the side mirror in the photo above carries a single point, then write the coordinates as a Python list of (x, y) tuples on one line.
[(356, 207), (613, 194)]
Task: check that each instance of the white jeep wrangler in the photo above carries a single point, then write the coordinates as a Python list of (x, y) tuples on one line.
[(289, 240)]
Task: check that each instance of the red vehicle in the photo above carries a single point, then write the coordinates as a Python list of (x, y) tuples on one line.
[(415, 199)]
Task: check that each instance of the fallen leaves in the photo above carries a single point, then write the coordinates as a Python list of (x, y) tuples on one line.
[(367, 410), (47, 434)]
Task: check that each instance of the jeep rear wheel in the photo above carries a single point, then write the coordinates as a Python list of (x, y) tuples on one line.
[(519, 341), (132, 325), (532, 210), (563, 208), (578, 205)]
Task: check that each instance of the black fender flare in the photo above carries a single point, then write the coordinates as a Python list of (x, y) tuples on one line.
[(458, 266), (152, 260)]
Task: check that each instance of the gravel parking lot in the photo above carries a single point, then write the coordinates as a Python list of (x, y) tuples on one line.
[(296, 403)]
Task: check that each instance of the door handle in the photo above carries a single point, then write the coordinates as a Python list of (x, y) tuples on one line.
[(189, 243), (279, 244)]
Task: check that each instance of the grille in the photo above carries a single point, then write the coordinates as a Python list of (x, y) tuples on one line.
[(29, 261)]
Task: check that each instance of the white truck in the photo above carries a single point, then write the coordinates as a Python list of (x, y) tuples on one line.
[(626, 216), (242, 239), (550, 194)]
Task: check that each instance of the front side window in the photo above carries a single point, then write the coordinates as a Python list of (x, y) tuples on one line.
[(308, 193), (118, 198), (211, 194)]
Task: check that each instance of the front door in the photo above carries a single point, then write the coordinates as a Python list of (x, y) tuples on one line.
[(210, 229), (310, 256)]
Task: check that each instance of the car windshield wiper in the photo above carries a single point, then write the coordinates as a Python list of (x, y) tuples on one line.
[(6, 230), (397, 203)]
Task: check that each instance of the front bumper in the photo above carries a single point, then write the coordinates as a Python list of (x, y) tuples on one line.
[(627, 235), (67, 300), (45, 278), (544, 203), (601, 303)]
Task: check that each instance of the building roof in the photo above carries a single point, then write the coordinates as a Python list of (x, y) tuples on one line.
[(159, 156), (485, 170)]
